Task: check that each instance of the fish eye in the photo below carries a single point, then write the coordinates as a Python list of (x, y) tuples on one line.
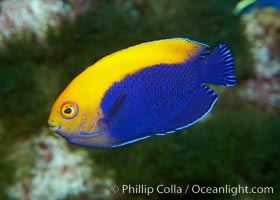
[(69, 110)]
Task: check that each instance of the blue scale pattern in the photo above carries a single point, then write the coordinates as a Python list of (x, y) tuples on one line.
[(155, 95), (160, 99)]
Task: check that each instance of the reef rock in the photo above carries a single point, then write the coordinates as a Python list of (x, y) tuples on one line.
[(55, 172), (262, 29), (36, 16)]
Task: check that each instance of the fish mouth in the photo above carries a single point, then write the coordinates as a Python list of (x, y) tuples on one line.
[(53, 126)]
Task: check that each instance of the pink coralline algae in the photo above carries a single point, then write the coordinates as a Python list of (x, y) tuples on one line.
[(48, 169), (262, 29), (36, 16)]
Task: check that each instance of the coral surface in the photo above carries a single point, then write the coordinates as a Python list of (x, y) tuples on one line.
[(57, 172)]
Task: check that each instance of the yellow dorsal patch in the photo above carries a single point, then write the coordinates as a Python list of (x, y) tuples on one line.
[(148, 54), (92, 84)]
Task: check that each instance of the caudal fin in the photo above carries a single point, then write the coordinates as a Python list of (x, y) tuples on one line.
[(219, 67)]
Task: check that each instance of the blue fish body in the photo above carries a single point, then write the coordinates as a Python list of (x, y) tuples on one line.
[(161, 99), (269, 3)]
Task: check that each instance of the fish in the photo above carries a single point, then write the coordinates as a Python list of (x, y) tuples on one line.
[(246, 6), (151, 89)]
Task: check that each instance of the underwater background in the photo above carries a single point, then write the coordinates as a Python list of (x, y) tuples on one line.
[(44, 44)]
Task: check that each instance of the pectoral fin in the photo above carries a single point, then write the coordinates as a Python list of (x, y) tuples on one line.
[(115, 110)]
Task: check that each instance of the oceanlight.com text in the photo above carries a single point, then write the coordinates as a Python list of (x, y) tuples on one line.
[(190, 189), (233, 190)]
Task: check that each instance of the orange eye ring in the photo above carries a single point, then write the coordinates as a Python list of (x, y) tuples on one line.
[(69, 110)]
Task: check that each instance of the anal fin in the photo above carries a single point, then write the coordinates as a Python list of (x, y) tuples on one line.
[(200, 104)]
